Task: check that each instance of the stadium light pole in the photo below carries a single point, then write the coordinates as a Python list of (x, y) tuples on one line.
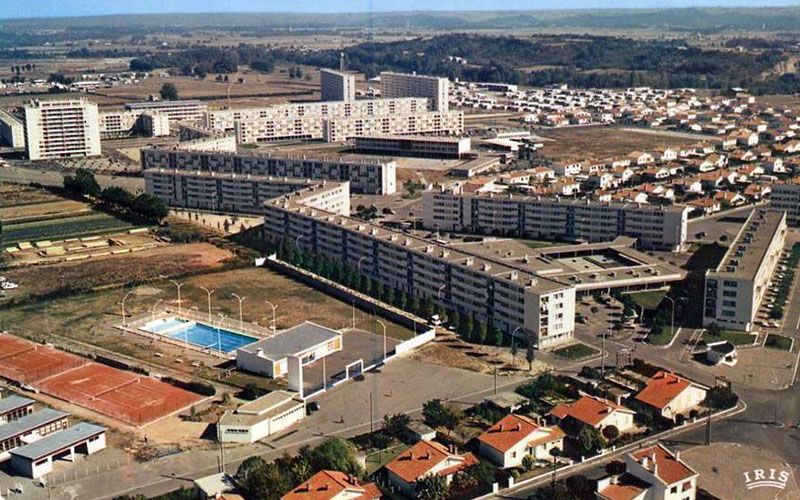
[(209, 293), (383, 325), (219, 338), (124, 322), (273, 306), (513, 338), (240, 299), (178, 286)]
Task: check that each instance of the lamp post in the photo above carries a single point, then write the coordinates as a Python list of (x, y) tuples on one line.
[(513, 339), (219, 337), (209, 293), (153, 309), (672, 320), (273, 306), (124, 322), (383, 325), (240, 299), (178, 286)]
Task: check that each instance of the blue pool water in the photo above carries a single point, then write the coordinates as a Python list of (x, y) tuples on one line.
[(199, 334)]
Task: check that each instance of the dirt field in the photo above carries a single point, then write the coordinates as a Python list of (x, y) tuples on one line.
[(17, 194), (103, 272), (61, 207), (601, 142)]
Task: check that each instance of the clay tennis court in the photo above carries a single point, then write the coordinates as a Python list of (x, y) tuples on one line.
[(126, 396)]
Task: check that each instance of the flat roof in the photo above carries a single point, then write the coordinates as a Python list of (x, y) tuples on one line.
[(14, 402), (267, 402), (748, 251), (407, 138), (161, 104), (56, 442), (30, 422), (293, 340), (249, 419)]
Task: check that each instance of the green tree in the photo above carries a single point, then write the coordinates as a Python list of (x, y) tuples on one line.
[(478, 335), (530, 355), (334, 454), (395, 425), (465, 328), (432, 487), (494, 337), (82, 183), (589, 440), (150, 207), (528, 462), (169, 92), (118, 196)]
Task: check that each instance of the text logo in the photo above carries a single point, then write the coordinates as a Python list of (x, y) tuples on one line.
[(765, 478)]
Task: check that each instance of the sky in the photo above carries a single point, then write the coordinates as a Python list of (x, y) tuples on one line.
[(68, 8)]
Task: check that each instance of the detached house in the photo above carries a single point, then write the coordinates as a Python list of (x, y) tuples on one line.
[(596, 412), (333, 485), (514, 437), (654, 473), (671, 395), (424, 459)]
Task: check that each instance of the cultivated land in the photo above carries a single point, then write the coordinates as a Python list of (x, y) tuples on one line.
[(603, 142)]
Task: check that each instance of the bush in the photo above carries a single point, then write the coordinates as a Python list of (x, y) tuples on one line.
[(611, 432), (202, 388)]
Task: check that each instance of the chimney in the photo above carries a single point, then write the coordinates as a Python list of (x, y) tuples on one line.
[(645, 461), (411, 455), (517, 427), (500, 428)]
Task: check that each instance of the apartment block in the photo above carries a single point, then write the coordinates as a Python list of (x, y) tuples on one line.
[(365, 175), (120, 123), (342, 128), (61, 129), (302, 120), (414, 145), (12, 130), (786, 196), (337, 85), (736, 287), (177, 111), (410, 85), (230, 192), (654, 227)]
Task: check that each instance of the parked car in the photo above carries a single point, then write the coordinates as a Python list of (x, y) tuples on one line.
[(312, 407)]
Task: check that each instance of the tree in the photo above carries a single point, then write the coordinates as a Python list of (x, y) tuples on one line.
[(334, 454), (115, 195), (465, 328), (530, 355), (150, 207), (431, 487), (169, 92), (82, 183), (395, 425), (478, 335), (494, 337), (589, 440), (611, 432), (437, 414), (528, 462)]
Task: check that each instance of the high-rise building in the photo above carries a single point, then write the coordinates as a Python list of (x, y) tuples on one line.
[(337, 85), (786, 196), (435, 88), (61, 129)]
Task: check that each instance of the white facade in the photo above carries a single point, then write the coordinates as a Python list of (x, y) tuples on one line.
[(12, 131), (786, 196), (337, 85), (340, 128), (36, 459), (260, 418), (409, 85), (436, 147), (177, 111), (61, 129)]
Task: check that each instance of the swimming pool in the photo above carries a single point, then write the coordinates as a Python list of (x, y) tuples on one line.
[(199, 334)]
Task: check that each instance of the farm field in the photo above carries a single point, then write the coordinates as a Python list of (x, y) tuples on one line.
[(601, 142), (16, 194), (89, 224), (39, 210)]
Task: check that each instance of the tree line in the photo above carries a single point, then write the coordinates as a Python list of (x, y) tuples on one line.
[(144, 207)]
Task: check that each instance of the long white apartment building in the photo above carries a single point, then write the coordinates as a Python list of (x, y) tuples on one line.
[(786, 196), (410, 85), (365, 175), (340, 129), (734, 289), (12, 130), (513, 301), (241, 193), (654, 227), (414, 145), (61, 129), (337, 85), (302, 120), (177, 111)]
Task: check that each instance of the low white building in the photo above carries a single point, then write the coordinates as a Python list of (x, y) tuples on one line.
[(515, 437), (722, 353), (596, 412), (654, 473), (671, 395), (308, 341), (261, 418), (36, 459)]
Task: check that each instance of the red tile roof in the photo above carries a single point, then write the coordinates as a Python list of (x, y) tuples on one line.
[(512, 429), (668, 467), (421, 458), (326, 484), (621, 491), (662, 388), (589, 410)]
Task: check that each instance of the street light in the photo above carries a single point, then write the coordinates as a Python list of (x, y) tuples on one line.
[(219, 338), (672, 321), (240, 299), (384, 337), (513, 339), (273, 306), (178, 286), (124, 322), (209, 293), (153, 309)]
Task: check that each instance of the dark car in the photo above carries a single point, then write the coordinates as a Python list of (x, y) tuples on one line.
[(312, 407)]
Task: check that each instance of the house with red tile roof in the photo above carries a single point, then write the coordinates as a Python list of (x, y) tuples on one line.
[(596, 412), (423, 459), (671, 395), (654, 473), (514, 437), (333, 485)]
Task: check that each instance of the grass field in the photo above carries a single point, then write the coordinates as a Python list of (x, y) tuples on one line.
[(57, 229), (776, 341), (663, 338), (735, 338), (648, 300), (601, 142), (575, 351)]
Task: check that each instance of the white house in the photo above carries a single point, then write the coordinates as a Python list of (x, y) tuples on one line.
[(654, 473), (596, 412), (671, 395), (423, 459), (514, 437)]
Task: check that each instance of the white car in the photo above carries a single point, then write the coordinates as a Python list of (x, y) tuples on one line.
[(7, 285)]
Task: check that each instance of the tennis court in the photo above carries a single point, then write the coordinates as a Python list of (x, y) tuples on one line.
[(27, 362)]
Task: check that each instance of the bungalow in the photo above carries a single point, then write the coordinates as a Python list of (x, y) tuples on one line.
[(656, 173), (666, 153), (690, 185), (622, 174), (728, 144), (654, 473), (641, 158), (658, 191), (705, 205), (774, 166), (602, 180), (426, 458), (514, 437), (745, 138), (334, 485), (671, 395), (596, 412), (743, 155), (568, 168), (541, 174), (729, 198), (747, 172), (565, 188), (629, 195), (757, 191)]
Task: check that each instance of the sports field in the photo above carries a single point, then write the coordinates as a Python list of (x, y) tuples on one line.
[(120, 394)]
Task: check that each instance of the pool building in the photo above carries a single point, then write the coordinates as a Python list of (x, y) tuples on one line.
[(307, 341)]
